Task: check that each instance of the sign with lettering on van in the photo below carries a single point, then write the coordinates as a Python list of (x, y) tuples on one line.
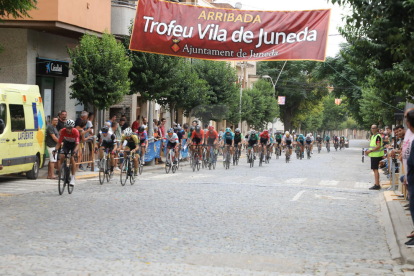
[(51, 67)]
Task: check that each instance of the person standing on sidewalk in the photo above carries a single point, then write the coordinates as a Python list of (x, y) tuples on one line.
[(52, 137), (409, 179), (376, 152)]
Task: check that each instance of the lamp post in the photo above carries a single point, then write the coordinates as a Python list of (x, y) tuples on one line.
[(274, 90), (242, 65)]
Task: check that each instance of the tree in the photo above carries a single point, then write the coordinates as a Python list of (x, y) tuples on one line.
[(381, 46), (297, 84), (333, 114), (259, 107), (16, 9), (100, 68)]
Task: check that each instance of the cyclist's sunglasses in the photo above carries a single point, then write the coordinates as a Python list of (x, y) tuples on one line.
[(104, 132)]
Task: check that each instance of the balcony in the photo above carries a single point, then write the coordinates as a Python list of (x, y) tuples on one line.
[(122, 12)]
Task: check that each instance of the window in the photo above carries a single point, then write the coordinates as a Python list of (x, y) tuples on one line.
[(3, 116), (17, 117)]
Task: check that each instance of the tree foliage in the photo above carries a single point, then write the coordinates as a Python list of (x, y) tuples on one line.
[(100, 68), (259, 107), (16, 8), (297, 84), (381, 45)]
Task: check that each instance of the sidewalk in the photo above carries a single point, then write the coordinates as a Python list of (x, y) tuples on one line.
[(401, 226)]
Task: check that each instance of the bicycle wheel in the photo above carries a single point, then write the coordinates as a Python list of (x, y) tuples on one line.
[(198, 165), (194, 163), (108, 171), (124, 172), (132, 176), (102, 170), (252, 160), (62, 179), (68, 174), (277, 153), (260, 158), (228, 157), (168, 163)]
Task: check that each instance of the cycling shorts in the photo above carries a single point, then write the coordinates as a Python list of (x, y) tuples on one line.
[(327, 140), (229, 142), (142, 142), (197, 141), (210, 141), (302, 142), (236, 143), (252, 143), (279, 141), (288, 142), (263, 141), (308, 142), (68, 147), (171, 145), (108, 145)]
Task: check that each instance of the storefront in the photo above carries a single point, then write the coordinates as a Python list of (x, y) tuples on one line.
[(47, 70)]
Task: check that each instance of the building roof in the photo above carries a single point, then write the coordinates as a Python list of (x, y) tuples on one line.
[(223, 5)]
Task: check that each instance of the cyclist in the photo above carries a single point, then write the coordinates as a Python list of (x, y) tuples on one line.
[(264, 141), (189, 139), (301, 141), (69, 136), (173, 143), (107, 140), (278, 139), (197, 138), (252, 140), (132, 145), (143, 138), (336, 140), (180, 135), (228, 141), (319, 140), (327, 139), (212, 140), (308, 141), (311, 145), (246, 145), (342, 141), (238, 137), (294, 136), (287, 141)]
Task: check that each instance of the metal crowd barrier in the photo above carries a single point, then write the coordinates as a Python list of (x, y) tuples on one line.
[(87, 153)]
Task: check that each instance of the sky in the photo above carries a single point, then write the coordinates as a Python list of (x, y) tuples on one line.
[(337, 13)]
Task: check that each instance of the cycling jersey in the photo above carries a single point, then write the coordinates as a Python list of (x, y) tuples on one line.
[(264, 135), (108, 138), (327, 138), (132, 143), (142, 136), (288, 140), (172, 139), (212, 135), (279, 138), (308, 140), (301, 138), (271, 139), (197, 135), (319, 139), (237, 138), (253, 137), (180, 136), (69, 138), (229, 136)]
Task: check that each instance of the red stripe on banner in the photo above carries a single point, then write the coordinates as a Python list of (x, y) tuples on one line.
[(178, 29)]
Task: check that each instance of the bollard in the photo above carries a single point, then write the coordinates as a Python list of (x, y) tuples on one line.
[(363, 155)]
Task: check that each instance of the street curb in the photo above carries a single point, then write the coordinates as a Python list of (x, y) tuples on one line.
[(401, 225)]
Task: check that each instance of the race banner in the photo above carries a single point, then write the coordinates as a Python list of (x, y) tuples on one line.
[(178, 29)]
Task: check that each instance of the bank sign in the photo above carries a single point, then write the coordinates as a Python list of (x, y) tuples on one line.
[(52, 67)]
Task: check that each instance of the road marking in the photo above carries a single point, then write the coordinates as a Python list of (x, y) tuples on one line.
[(297, 196), (362, 185), (295, 180), (331, 197), (329, 183)]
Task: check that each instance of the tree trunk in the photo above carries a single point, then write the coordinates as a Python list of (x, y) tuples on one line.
[(287, 122), (172, 114)]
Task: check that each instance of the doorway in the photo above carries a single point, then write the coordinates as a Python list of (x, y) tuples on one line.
[(47, 91)]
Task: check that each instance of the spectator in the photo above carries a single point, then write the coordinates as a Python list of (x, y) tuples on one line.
[(135, 125), (221, 132), (116, 129), (195, 123), (145, 123), (61, 120), (112, 118), (82, 139), (123, 124), (89, 124), (409, 119), (83, 117), (406, 145), (126, 121), (162, 130), (52, 138), (376, 152)]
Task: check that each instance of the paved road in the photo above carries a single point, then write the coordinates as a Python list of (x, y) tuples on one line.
[(309, 217)]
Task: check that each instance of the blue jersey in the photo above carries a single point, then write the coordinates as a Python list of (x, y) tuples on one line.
[(327, 138), (229, 136), (301, 138), (271, 139)]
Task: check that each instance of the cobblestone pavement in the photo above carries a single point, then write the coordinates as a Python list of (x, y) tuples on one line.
[(308, 217)]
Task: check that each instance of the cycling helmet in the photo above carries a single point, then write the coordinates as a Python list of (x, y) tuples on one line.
[(105, 129), (69, 123), (238, 130), (191, 128), (308, 135), (210, 128), (176, 129), (228, 129), (141, 129), (252, 132), (266, 131), (248, 133), (197, 129), (128, 132), (170, 130), (293, 132), (287, 133), (319, 136)]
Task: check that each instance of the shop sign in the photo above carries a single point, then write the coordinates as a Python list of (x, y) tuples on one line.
[(50, 67)]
